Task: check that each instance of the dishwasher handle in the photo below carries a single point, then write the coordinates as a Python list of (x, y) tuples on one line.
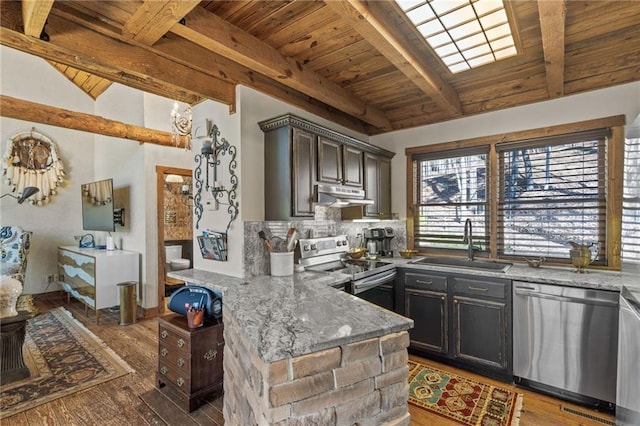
[(582, 300)]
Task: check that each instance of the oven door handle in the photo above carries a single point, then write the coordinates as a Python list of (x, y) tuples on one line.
[(367, 283)]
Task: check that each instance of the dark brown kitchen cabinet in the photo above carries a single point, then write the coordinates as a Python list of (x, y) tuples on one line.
[(289, 161), (382, 295), (377, 185), (339, 163), (460, 319)]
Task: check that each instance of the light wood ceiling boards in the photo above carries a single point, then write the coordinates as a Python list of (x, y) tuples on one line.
[(357, 63)]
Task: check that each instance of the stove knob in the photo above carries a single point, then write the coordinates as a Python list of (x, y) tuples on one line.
[(313, 247), (306, 247), (338, 243)]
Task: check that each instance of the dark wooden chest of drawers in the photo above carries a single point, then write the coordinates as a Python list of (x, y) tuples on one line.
[(189, 360)]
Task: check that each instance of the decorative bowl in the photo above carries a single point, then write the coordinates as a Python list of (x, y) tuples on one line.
[(356, 252), (535, 263), (408, 254)]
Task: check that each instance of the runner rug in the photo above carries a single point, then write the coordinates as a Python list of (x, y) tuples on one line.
[(462, 399), (63, 358)]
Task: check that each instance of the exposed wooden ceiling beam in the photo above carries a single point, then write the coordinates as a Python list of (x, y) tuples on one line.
[(552, 25), (154, 18), (380, 33), (34, 15), (91, 84), (214, 33), (130, 65), (46, 114)]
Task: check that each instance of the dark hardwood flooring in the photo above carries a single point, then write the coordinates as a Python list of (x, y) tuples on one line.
[(133, 399)]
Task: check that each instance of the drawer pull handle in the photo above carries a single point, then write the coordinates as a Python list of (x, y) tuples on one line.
[(180, 381), (478, 288), (180, 362), (164, 352), (424, 282), (210, 354), (180, 343), (163, 370), (164, 334)]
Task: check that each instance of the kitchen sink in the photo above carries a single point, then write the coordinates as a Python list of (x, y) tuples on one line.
[(486, 265)]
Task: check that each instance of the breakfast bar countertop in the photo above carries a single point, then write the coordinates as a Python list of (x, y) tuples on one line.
[(285, 317)]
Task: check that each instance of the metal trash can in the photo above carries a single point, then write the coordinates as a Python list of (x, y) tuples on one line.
[(128, 302)]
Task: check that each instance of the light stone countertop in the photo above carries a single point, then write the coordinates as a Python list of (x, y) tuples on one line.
[(596, 279), (285, 317)]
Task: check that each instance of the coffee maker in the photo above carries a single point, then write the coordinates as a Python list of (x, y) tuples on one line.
[(381, 237)]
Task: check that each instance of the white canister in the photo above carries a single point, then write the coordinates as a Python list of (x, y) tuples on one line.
[(281, 263)]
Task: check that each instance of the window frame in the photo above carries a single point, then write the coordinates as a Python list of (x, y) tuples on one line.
[(613, 184)]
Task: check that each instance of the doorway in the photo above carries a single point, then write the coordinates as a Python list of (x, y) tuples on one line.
[(175, 223)]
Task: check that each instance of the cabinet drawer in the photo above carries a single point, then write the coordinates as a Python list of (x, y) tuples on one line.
[(474, 287), (425, 281), (179, 360), (174, 341), (177, 377)]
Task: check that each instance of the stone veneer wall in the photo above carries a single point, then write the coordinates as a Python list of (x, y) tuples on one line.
[(363, 382)]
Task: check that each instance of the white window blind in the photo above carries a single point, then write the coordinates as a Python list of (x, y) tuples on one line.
[(552, 191), (631, 202), (451, 186)]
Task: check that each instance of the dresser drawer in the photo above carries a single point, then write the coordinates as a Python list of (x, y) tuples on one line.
[(173, 341), (174, 376), (178, 360), (480, 288), (425, 281)]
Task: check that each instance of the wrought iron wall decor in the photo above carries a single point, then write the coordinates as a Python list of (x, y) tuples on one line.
[(31, 160), (207, 176)]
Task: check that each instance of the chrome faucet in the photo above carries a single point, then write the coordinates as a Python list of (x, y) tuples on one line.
[(468, 238)]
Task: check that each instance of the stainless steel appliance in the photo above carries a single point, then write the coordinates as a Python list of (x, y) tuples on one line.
[(381, 237), (628, 388), (565, 342), (329, 254), (339, 196)]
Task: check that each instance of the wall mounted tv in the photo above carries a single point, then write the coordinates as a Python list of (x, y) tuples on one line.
[(97, 206)]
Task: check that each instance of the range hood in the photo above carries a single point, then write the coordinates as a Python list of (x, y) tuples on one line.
[(339, 196)]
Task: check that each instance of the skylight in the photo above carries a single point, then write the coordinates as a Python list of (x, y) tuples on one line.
[(464, 33)]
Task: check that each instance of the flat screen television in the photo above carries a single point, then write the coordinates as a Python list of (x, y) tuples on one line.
[(97, 206)]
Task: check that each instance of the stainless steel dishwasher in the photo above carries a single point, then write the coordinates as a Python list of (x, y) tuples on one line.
[(628, 391), (565, 342)]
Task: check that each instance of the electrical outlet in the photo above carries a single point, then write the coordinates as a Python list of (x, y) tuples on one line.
[(50, 278)]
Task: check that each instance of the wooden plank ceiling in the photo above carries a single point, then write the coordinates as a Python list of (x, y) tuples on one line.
[(357, 63)]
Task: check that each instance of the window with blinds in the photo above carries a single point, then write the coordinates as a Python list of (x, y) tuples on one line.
[(631, 202), (451, 187), (552, 191)]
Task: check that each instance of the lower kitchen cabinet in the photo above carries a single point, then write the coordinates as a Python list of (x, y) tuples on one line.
[(381, 295), (460, 319)]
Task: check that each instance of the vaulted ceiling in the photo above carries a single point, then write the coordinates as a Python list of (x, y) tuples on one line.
[(360, 64)]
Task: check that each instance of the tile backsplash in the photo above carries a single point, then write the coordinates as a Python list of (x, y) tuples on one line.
[(256, 255)]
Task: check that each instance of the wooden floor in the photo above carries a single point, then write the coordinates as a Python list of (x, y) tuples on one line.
[(133, 399)]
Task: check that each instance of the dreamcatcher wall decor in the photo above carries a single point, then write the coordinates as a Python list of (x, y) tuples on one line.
[(31, 159)]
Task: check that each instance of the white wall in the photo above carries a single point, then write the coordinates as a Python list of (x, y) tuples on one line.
[(623, 99)]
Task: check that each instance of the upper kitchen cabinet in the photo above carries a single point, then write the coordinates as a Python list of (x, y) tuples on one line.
[(377, 185), (299, 154), (338, 163)]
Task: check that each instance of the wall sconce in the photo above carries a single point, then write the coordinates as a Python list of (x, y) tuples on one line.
[(208, 162), (181, 125), (26, 193)]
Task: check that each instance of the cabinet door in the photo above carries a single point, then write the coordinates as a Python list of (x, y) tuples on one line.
[(352, 170), (384, 189), (428, 310), (377, 185), (481, 331), (381, 296), (303, 160), (329, 161)]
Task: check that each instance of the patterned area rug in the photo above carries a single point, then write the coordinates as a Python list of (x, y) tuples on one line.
[(63, 358), (462, 399)]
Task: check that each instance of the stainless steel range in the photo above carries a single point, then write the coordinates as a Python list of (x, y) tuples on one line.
[(329, 254)]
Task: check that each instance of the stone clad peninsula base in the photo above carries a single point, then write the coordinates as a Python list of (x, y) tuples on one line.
[(364, 381)]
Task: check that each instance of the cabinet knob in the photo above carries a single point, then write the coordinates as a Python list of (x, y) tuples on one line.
[(164, 334), (164, 352), (180, 343), (163, 370), (180, 362), (210, 354), (180, 381)]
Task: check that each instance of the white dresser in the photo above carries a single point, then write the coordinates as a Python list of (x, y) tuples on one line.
[(92, 276)]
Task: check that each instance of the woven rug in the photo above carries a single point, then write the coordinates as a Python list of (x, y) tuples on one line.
[(63, 358), (462, 399)]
